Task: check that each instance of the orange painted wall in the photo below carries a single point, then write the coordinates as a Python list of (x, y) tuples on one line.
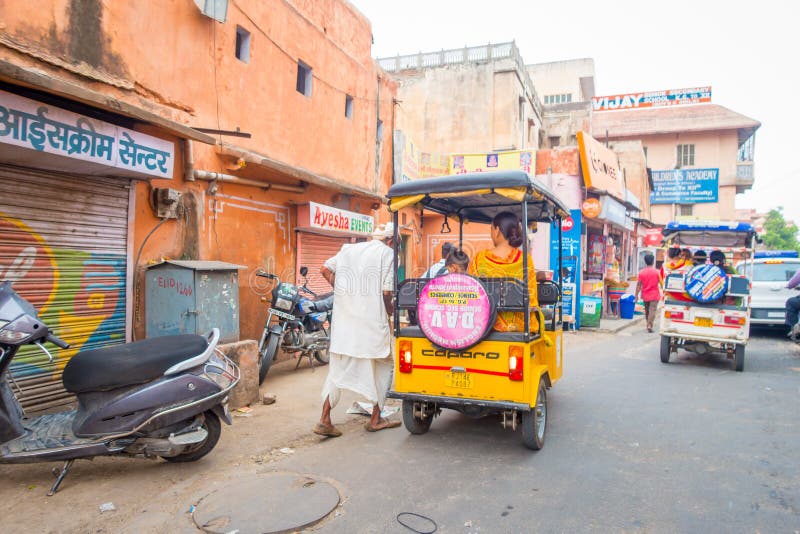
[(168, 59)]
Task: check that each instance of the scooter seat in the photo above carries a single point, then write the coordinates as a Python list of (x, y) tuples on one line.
[(132, 363)]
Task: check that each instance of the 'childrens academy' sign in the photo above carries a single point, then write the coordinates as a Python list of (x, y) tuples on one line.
[(670, 97), (685, 186), (30, 124), (454, 311), (330, 218)]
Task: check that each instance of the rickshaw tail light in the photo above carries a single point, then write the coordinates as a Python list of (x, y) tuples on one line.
[(516, 363), (673, 314), (406, 363), (732, 319)]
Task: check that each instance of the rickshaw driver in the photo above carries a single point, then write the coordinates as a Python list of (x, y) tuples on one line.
[(505, 260)]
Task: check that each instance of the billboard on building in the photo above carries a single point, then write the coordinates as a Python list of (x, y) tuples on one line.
[(600, 167), (517, 160), (685, 186), (412, 163), (652, 99)]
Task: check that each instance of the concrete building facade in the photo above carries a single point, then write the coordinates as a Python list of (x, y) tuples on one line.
[(566, 88), (476, 99)]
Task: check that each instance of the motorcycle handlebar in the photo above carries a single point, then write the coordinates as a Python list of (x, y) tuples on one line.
[(57, 341), (267, 275), (304, 288)]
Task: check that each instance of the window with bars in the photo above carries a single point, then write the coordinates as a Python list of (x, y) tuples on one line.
[(558, 99), (685, 210), (348, 106), (304, 78), (242, 49), (685, 155)]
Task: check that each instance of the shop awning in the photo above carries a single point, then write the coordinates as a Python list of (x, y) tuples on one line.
[(297, 173)]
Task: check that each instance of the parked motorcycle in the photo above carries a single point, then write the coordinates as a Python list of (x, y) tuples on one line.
[(157, 397), (302, 326)]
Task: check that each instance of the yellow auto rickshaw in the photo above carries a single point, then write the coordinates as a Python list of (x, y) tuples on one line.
[(452, 357)]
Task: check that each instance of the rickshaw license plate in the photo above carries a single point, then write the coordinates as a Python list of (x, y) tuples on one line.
[(458, 380), (703, 321)]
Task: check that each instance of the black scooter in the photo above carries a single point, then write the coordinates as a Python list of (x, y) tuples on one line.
[(157, 397)]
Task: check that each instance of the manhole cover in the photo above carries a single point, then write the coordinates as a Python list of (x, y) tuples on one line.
[(268, 503)]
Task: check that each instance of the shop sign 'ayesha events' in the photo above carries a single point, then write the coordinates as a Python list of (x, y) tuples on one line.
[(330, 218), (685, 186), (669, 97), (29, 124)]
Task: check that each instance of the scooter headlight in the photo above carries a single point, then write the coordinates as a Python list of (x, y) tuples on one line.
[(13, 336)]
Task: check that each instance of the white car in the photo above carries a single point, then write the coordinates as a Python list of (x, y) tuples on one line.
[(769, 292)]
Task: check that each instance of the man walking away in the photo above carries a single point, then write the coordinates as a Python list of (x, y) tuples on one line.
[(360, 356), (649, 287), (439, 268)]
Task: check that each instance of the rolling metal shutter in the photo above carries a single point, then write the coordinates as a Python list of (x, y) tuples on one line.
[(63, 243), (312, 251)]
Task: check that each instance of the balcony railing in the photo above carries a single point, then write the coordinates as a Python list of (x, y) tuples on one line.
[(460, 56), (745, 176)]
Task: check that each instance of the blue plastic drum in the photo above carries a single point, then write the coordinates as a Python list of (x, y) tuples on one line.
[(706, 283)]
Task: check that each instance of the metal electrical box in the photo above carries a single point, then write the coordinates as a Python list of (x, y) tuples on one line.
[(192, 297)]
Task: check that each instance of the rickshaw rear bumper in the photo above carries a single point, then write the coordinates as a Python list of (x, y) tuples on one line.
[(707, 339), (448, 402)]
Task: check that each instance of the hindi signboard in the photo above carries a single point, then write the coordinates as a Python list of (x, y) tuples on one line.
[(33, 125), (685, 186)]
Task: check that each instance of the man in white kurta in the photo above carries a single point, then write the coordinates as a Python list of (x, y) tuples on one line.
[(360, 349)]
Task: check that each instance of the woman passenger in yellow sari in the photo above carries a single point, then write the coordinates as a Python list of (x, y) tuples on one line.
[(503, 260)]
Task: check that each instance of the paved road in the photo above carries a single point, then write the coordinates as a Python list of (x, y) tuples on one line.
[(632, 445)]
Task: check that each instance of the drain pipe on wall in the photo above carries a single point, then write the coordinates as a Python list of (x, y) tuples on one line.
[(188, 160), (210, 176)]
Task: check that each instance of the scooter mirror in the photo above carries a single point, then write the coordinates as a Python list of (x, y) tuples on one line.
[(303, 270)]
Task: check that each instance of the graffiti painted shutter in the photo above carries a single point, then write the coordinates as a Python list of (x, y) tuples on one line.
[(63, 242), (312, 251)]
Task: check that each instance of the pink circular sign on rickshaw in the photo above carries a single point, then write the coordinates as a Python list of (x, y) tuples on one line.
[(454, 311)]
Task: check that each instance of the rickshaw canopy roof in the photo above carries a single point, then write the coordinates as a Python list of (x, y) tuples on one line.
[(709, 233), (479, 196)]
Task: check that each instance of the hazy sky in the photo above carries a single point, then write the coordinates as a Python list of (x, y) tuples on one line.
[(749, 52)]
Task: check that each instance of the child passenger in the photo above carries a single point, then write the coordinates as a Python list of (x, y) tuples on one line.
[(457, 261)]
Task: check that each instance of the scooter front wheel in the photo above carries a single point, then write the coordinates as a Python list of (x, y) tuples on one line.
[(211, 425)]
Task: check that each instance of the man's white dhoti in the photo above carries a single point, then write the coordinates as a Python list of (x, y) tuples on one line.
[(368, 377)]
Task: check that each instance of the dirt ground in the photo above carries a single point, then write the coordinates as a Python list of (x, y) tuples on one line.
[(154, 495)]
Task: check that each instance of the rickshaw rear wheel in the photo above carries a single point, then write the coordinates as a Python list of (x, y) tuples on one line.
[(665, 349), (738, 358), (534, 422), (414, 424)]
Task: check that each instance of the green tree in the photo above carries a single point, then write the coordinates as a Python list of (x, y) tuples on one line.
[(778, 235)]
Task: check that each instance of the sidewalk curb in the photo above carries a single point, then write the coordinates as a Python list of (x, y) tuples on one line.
[(613, 330)]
